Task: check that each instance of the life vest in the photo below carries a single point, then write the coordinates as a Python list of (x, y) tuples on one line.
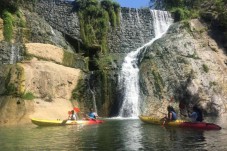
[(174, 115)]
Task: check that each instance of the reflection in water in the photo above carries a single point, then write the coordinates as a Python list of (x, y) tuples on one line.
[(113, 135)]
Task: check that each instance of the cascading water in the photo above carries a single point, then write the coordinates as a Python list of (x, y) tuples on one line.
[(129, 76), (15, 54), (92, 93)]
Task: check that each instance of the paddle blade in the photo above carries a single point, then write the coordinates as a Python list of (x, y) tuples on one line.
[(76, 109)]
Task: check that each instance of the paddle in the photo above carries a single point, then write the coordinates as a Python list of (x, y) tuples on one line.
[(64, 122)]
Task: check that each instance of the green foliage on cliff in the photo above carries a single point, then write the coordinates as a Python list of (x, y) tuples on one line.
[(28, 96), (79, 90), (69, 59), (215, 11), (182, 9), (94, 19), (205, 68), (8, 26), (158, 82), (14, 81)]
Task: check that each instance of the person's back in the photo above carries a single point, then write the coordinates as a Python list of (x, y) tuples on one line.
[(196, 115), (193, 116), (172, 115), (91, 114)]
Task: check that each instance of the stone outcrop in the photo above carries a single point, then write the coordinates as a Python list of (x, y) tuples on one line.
[(186, 64), (46, 51)]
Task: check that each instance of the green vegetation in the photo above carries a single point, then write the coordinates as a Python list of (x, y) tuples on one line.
[(12, 5), (94, 19), (28, 96), (8, 26), (69, 59), (158, 82), (210, 10), (205, 68), (78, 92), (182, 9), (14, 81)]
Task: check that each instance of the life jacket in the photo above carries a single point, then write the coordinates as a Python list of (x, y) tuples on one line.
[(174, 115), (92, 115)]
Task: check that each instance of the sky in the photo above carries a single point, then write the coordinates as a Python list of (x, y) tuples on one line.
[(133, 3)]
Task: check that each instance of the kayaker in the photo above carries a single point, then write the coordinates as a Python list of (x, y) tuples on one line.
[(92, 114), (73, 115), (172, 115), (196, 115)]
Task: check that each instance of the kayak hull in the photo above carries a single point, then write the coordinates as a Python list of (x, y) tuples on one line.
[(180, 123), (45, 122)]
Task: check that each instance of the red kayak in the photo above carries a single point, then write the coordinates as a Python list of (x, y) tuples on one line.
[(200, 125), (180, 123)]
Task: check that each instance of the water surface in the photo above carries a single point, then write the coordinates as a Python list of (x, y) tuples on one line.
[(113, 135)]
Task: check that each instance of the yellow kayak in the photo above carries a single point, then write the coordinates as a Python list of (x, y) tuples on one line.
[(159, 121), (45, 122)]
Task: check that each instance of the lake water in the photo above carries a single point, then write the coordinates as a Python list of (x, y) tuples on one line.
[(113, 135)]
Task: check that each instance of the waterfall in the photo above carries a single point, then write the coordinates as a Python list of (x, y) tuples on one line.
[(14, 54), (129, 75), (92, 93)]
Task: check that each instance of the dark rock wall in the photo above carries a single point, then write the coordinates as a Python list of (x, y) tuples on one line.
[(135, 29)]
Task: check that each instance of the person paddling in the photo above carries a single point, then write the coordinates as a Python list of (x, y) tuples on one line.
[(172, 115), (73, 115), (196, 115), (92, 114)]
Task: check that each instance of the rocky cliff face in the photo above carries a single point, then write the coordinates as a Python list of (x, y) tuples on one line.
[(37, 88), (41, 85), (188, 65)]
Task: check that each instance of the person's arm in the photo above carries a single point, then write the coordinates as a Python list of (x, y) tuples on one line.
[(170, 116)]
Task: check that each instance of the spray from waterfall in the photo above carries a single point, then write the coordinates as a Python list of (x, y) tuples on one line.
[(129, 76)]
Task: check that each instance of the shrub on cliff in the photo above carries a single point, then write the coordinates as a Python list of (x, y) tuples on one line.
[(94, 19), (8, 26)]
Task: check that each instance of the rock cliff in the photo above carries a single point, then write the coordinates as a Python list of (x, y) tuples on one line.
[(37, 88), (188, 65)]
